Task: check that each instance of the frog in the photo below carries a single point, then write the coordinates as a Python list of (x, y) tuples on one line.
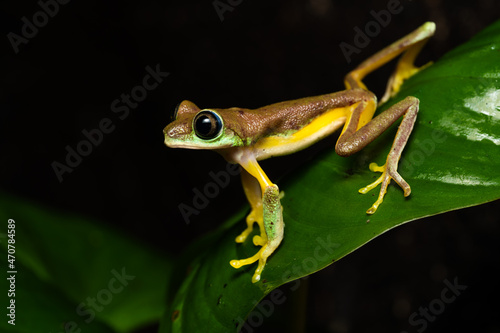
[(246, 136)]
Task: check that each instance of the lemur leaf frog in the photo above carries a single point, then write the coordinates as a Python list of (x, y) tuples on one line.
[(246, 136)]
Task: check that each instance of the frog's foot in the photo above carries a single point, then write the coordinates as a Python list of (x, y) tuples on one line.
[(261, 256), (388, 172), (256, 215), (271, 232), (404, 70)]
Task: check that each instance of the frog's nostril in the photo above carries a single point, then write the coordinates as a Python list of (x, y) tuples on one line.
[(169, 130), (173, 131)]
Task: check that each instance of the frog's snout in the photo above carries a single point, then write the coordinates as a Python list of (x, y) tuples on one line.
[(176, 133), (175, 130)]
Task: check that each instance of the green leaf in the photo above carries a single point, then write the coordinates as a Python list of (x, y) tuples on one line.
[(41, 307), (90, 273), (451, 161)]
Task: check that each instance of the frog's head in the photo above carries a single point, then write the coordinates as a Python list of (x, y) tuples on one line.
[(194, 128)]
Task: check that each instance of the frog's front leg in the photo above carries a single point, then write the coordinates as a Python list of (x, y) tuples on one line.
[(254, 196), (264, 198)]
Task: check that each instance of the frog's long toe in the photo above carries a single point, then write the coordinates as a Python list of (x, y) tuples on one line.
[(243, 236), (255, 216), (261, 256), (388, 173), (259, 240)]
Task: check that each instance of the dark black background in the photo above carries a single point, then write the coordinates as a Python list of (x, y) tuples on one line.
[(66, 77)]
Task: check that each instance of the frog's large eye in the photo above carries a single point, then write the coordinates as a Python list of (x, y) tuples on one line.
[(207, 125)]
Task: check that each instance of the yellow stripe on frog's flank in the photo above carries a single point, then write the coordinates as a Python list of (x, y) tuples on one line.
[(316, 130)]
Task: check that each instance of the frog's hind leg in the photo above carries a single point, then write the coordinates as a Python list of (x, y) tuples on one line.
[(409, 45), (409, 109), (353, 140), (360, 129)]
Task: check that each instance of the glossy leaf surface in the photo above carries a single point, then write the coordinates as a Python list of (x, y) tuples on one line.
[(451, 161)]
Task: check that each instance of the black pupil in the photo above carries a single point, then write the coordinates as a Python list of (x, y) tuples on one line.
[(204, 125), (207, 126)]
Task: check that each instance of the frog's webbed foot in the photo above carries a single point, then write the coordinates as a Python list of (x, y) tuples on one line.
[(389, 171), (272, 228)]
